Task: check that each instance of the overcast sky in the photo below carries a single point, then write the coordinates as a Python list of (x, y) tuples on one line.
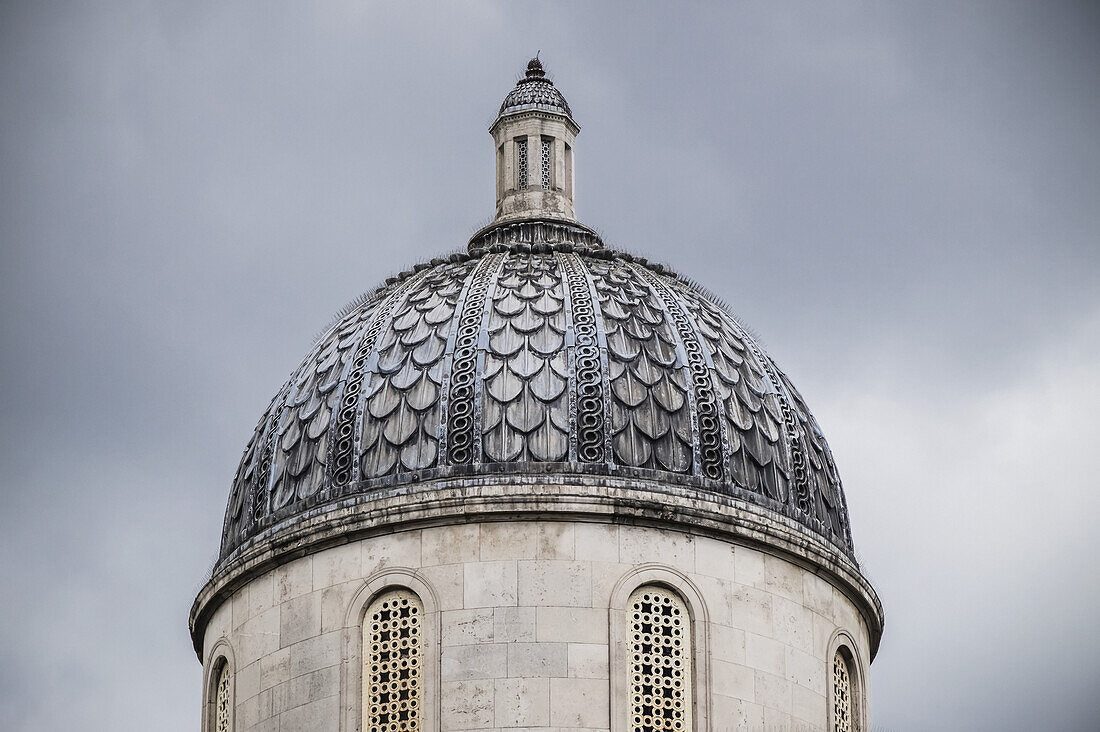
[(903, 200)]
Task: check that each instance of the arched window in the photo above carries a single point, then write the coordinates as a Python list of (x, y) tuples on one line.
[(393, 641), (521, 163), (221, 710), (660, 661), (843, 694), (547, 177)]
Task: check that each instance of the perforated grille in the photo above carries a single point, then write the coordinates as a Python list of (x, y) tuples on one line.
[(842, 695), (521, 175), (392, 641), (223, 713), (660, 633), (547, 161)]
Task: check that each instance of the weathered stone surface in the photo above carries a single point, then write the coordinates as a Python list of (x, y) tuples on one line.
[(507, 655), (523, 435), (511, 647)]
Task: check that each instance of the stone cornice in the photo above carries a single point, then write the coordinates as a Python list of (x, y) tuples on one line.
[(534, 112), (532, 230), (532, 497)]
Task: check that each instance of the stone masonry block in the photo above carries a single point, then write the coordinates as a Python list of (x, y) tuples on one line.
[(313, 686), (482, 661), (261, 594), (391, 550), (247, 681), (466, 627), (240, 608), (252, 711), (322, 715), (752, 610), (527, 660), (522, 702), (844, 613), (275, 668), (823, 632), (605, 577), (588, 661), (579, 703), (806, 669), (293, 579), (748, 567), (727, 644), (337, 565), (775, 719), (221, 624), (817, 594), (733, 680), (450, 544), (807, 705), (258, 637), (467, 704), (547, 582), (509, 540), (718, 595), (794, 623), (713, 558), (334, 604), (514, 624), (773, 691), (570, 625), (446, 580), (783, 578), (596, 542), (640, 545), (766, 654), (555, 541), (299, 618), (315, 653), (489, 584), (737, 714)]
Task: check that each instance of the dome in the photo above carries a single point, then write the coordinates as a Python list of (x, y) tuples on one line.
[(535, 91), (537, 351), (502, 468)]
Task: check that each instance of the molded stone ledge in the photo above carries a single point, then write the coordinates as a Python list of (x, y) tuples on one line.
[(537, 497)]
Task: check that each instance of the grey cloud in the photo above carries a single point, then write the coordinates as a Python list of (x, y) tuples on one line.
[(900, 199)]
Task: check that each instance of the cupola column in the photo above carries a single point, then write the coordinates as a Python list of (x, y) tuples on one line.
[(533, 136)]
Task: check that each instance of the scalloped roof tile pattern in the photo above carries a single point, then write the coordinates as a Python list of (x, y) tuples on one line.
[(560, 357)]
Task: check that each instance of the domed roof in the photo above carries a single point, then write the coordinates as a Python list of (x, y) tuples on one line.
[(535, 91), (536, 351)]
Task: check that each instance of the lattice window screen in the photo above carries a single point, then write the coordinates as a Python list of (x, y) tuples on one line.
[(660, 636), (842, 695), (223, 711), (547, 161), (521, 174), (392, 661)]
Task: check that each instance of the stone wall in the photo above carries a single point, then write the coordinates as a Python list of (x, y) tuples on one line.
[(524, 628)]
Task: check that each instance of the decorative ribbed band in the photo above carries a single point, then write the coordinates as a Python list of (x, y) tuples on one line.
[(262, 488), (460, 401), (708, 430), (343, 452), (790, 426), (590, 430)]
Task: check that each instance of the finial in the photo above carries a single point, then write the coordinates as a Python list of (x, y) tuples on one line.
[(534, 68)]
